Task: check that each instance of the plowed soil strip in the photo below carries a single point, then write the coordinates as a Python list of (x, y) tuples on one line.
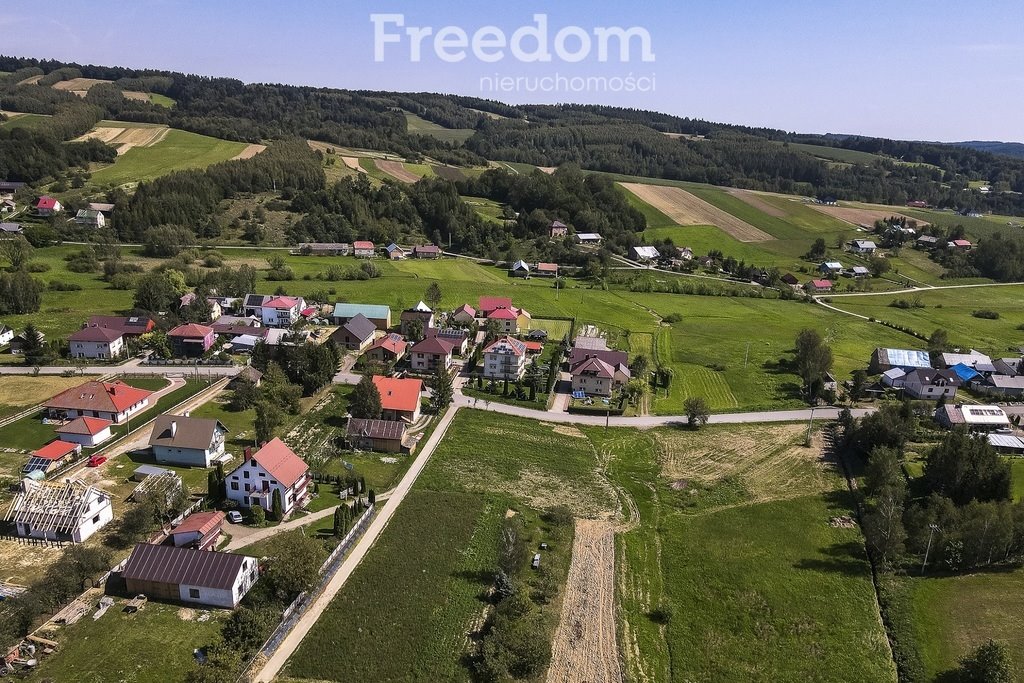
[(353, 163), (249, 152), (761, 205), (859, 216), (396, 170), (585, 649), (687, 209)]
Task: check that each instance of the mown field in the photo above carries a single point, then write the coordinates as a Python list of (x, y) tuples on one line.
[(178, 151), (420, 591), (420, 126), (734, 554), (952, 310)]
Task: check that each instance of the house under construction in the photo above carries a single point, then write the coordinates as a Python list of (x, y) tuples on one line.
[(59, 511)]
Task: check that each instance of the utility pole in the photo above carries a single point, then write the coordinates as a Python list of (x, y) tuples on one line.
[(746, 355), (932, 528), (809, 423)]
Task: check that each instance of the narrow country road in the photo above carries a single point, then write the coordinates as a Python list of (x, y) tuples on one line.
[(377, 525)]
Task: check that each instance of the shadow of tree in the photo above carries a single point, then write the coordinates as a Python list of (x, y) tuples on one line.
[(847, 558)]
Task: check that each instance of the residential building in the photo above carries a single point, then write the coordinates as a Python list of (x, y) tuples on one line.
[(6, 335), (431, 251), (595, 347), (859, 272), (520, 269), (394, 252), (59, 511), (816, 286), (114, 401), (281, 311), (558, 229), (976, 418), (595, 377), (420, 312), (588, 238), (387, 349), (191, 340), (364, 249), (1005, 385), (378, 315), (962, 245), (90, 218), (18, 341), (505, 359), (10, 229), (85, 431), (457, 337), (48, 206), (431, 353), (386, 436), (103, 207), (199, 531), (273, 468), (96, 342), (927, 241), (464, 314), (863, 247), (399, 398), (187, 441), (356, 334), (51, 457), (972, 358), (644, 254), (929, 383), (507, 319), (905, 359), (489, 304), (546, 269), (129, 326), (198, 577), (831, 268)]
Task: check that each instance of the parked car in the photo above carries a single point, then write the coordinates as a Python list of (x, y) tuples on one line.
[(235, 517), (96, 460)]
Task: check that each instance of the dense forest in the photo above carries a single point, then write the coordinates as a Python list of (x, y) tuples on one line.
[(611, 139)]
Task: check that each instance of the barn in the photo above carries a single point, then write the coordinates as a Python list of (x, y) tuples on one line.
[(201, 577)]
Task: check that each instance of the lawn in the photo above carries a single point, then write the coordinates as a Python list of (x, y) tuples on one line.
[(848, 156), (419, 610), (733, 542), (29, 121), (953, 614), (419, 126), (1017, 477), (21, 391), (178, 151), (951, 309), (162, 100), (152, 646)]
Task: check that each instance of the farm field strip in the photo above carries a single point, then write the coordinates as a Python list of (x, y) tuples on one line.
[(757, 202), (250, 151), (396, 170), (687, 209), (862, 215)]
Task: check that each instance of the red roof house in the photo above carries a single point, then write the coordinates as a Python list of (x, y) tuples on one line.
[(86, 431), (274, 467), (191, 339), (399, 398), (488, 304), (48, 205), (114, 401), (819, 286), (199, 530)]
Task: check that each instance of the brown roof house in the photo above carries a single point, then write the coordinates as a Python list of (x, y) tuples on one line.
[(167, 572), (595, 377), (387, 436), (431, 353), (200, 530), (420, 312), (356, 334), (388, 349), (187, 441)]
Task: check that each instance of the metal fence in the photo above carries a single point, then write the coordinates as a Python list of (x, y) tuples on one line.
[(299, 606)]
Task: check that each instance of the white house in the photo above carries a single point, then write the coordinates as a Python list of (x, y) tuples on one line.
[(281, 311), (114, 401), (588, 238), (364, 249), (86, 431), (644, 254), (96, 342), (6, 335), (59, 511), (90, 218), (184, 440), (863, 247), (596, 377), (275, 467), (179, 574), (505, 358)]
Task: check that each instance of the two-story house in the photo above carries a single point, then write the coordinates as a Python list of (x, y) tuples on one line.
[(96, 342), (595, 377), (187, 441), (431, 353), (281, 311), (504, 359), (929, 383), (275, 467)]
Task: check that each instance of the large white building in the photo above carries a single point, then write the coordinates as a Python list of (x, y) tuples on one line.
[(114, 401), (504, 359), (275, 467)]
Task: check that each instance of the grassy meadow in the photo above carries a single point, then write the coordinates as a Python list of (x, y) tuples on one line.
[(420, 126), (178, 151)]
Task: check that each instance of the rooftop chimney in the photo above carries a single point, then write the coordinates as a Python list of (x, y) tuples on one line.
[(174, 428)]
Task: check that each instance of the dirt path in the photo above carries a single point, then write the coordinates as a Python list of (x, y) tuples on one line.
[(755, 201), (585, 649), (250, 151), (396, 170), (687, 209)]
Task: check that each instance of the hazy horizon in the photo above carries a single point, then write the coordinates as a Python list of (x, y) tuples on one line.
[(935, 71)]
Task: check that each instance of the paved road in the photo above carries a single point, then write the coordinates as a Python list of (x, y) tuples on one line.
[(242, 536), (127, 369), (380, 520), (648, 421)]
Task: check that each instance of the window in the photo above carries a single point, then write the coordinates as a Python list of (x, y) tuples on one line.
[(96, 519), (263, 474), (246, 474), (193, 593), (234, 486)]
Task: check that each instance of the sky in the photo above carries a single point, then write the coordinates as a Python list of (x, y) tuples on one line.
[(912, 69)]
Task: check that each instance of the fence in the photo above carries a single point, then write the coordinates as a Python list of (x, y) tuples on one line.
[(298, 607)]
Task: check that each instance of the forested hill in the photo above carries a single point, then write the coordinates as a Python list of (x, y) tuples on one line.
[(601, 138), (1013, 149)]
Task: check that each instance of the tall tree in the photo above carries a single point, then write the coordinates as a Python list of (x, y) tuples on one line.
[(965, 468), (813, 360), (268, 419), (697, 411), (365, 400), (433, 295), (18, 251), (444, 391)]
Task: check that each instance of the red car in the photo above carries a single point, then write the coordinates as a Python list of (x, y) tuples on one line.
[(96, 460)]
